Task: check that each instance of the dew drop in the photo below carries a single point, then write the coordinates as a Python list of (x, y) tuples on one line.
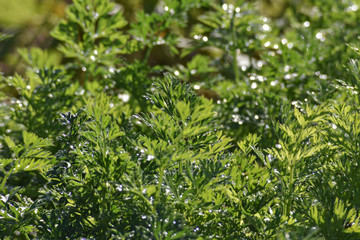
[(266, 27), (284, 41), (150, 157), (225, 7), (320, 36)]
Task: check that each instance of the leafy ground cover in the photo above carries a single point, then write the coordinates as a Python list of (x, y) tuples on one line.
[(180, 119)]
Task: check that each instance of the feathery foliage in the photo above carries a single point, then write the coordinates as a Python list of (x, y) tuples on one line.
[(170, 119)]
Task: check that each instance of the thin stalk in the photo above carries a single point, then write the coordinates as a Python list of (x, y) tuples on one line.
[(161, 177), (26, 236), (159, 184), (289, 201), (6, 177), (147, 55), (235, 67), (144, 199), (234, 50)]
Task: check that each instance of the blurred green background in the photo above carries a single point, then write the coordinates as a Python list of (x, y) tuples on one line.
[(28, 23)]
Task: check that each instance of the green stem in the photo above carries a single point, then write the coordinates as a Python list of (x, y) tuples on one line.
[(289, 201), (144, 199), (235, 67), (234, 53), (147, 54), (6, 177), (162, 170), (159, 184), (27, 236)]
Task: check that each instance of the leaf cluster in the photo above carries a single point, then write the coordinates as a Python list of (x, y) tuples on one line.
[(185, 120)]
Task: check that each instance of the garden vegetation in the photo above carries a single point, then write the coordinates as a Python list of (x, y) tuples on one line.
[(185, 119)]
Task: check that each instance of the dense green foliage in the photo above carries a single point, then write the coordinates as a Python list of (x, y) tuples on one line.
[(185, 119)]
